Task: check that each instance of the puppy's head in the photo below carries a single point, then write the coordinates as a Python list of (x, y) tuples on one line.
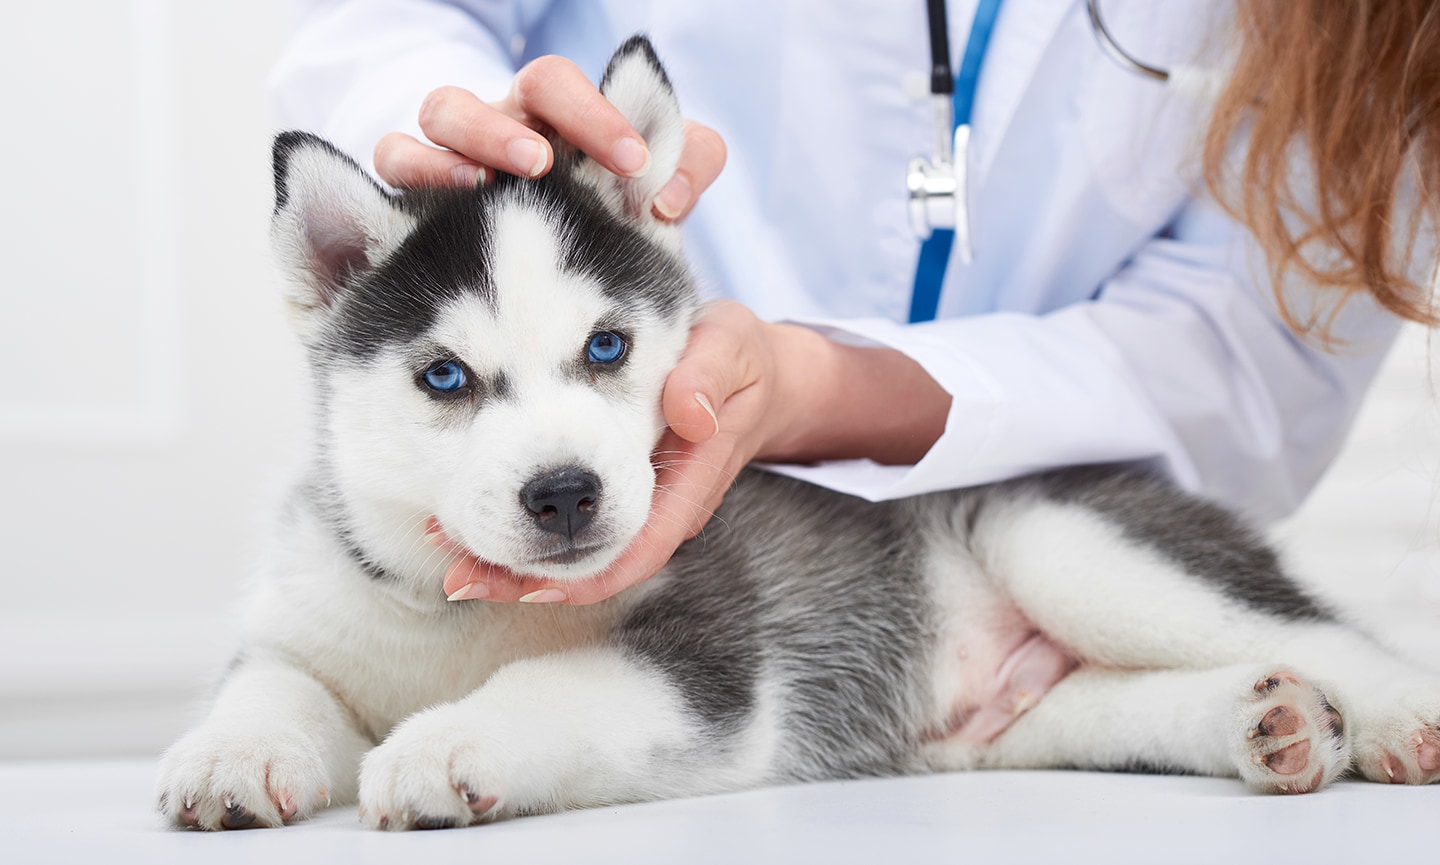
[(491, 357)]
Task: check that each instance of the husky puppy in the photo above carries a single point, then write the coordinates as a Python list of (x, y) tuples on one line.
[(493, 359)]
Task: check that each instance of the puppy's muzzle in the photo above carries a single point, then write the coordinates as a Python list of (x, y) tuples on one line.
[(562, 501)]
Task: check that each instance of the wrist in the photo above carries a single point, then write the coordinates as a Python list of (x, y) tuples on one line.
[(806, 373), (838, 401)]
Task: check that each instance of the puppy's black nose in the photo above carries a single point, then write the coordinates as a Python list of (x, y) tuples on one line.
[(562, 501)]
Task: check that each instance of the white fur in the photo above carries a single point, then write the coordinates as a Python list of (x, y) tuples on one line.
[(638, 91), (509, 741), (541, 322)]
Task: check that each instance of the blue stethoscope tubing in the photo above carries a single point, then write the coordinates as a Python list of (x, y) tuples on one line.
[(936, 248), (935, 251)]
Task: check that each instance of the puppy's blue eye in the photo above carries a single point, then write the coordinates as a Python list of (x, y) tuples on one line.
[(606, 347), (445, 377)]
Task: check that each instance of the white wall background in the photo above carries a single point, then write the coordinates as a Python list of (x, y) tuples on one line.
[(148, 401), (150, 394)]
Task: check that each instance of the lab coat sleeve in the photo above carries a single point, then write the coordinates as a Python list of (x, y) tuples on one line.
[(1180, 361), (355, 70)]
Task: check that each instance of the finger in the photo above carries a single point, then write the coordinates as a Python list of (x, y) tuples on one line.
[(701, 161), (403, 161), (467, 573), (719, 361), (553, 91), (456, 118), (470, 579)]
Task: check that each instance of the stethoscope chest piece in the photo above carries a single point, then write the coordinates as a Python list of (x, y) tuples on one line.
[(938, 187), (937, 190)]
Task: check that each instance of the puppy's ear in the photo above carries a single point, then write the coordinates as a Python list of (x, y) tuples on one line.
[(332, 224), (636, 83)]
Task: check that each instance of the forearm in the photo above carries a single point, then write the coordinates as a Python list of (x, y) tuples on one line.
[(842, 401)]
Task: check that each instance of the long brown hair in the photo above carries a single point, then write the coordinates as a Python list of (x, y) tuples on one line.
[(1354, 86)]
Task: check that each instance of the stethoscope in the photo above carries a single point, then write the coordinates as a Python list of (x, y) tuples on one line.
[(938, 187)]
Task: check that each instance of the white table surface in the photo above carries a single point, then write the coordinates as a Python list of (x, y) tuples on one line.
[(67, 812)]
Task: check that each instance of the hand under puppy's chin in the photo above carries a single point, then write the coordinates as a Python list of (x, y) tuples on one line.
[(571, 566)]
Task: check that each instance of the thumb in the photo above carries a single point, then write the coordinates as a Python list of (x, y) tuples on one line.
[(717, 364), (689, 411)]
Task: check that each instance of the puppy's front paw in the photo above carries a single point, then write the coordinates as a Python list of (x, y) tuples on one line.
[(448, 767), (1291, 739), (231, 779)]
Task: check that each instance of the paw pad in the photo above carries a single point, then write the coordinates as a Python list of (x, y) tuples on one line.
[(1280, 721), (1289, 760), (1294, 739)]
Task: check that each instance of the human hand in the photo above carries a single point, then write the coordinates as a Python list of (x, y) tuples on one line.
[(476, 138)]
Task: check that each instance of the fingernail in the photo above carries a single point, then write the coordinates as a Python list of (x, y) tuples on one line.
[(631, 156), (709, 409), (471, 592), (466, 175), (544, 596), (674, 198), (527, 157)]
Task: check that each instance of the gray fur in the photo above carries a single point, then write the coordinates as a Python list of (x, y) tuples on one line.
[(770, 590)]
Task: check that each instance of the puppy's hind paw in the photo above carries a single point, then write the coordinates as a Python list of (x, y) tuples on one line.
[(1401, 744), (1289, 738)]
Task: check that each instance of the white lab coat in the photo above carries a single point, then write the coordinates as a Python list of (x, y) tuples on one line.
[(1110, 314)]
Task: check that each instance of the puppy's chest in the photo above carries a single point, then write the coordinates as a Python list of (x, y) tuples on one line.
[(449, 662), (387, 662)]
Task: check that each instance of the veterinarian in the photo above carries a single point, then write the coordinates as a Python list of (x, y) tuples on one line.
[(1158, 272)]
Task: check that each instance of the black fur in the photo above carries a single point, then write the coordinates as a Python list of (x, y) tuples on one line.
[(637, 44), (285, 146), (1208, 542), (449, 254), (629, 268)]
